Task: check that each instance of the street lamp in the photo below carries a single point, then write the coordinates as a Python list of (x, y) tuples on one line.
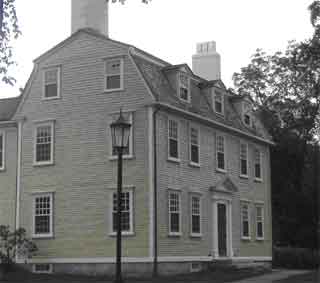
[(120, 131)]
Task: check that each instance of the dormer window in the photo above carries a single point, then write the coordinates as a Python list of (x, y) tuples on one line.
[(218, 102), (184, 87), (247, 119)]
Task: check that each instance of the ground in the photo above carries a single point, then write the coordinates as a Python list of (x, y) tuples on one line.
[(313, 277)]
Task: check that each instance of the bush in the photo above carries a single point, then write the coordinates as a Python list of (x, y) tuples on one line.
[(300, 258)]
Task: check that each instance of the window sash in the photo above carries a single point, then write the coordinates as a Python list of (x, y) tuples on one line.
[(184, 87), (114, 74), (51, 83), (257, 164), (195, 215), (259, 222), (2, 142), (194, 145), (218, 102), (220, 152), (174, 213), (42, 215), (43, 143), (245, 221), (243, 159), (173, 139), (126, 212)]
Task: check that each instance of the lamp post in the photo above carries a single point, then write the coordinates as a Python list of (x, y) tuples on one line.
[(120, 131)]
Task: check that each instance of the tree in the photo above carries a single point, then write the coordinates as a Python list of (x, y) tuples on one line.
[(12, 244)]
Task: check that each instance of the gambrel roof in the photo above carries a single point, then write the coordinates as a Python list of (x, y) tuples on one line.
[(8, 107)]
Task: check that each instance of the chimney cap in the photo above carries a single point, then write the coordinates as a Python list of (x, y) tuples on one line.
[(206, 47)]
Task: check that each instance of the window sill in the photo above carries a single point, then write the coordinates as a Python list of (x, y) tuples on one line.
[(221, 170), (175, 234), (196, 235), (125, 157), (51, 163), (113, 90), (246, 238), (50, 98), (258, 180), (175, 160), (244, 176), (259, 239), (114, 234), (42, 236), (192, 164), (3, 169)]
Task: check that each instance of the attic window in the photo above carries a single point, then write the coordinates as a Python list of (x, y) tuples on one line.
[(114, 74), (184, 87), (247, 120), (51, 84), (218, 102)]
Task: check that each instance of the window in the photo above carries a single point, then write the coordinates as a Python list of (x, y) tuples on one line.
[(42, 268), (194, 146), (247, 119), (195, 216), (42, 211), (114, 74), (173, 139), (51, 83), (44, 140), (259, 222), (2, 150), (245, 221), (220, 155), (184, 87), (243, 160), (247, 113), (218, 102), (174, 213), (128, 151), (126, 212), (257, 164)]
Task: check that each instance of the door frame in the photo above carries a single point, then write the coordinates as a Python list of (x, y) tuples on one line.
[(227, 201)]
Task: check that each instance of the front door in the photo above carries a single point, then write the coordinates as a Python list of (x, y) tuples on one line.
[(222, 229)]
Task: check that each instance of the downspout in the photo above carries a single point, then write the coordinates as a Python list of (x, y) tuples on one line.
[(155, 197)]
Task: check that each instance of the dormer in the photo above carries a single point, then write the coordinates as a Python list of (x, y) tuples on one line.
[(244, 106), (218, 101), (183, 86)]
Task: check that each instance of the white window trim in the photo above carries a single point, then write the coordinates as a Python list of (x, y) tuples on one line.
[(175, 234), (192, 163), (47, 235), (50, 271), (121, 74), (179, 85), (51, 161), (3, 156), (192, 234), (246, 176), (58, 68), (242, 202), (178, 142), (214, 102), (224, 153), (131, 195), (261, 205), (261, 170), (246, 113), (125, 156)]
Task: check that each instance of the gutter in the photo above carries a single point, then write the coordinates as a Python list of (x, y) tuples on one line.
[(201, 118), (6, 123)]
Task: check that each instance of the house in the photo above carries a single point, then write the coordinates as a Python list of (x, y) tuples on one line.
[(196, 174)]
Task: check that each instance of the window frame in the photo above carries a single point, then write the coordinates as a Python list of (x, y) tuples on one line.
[(261, 206), (215, 92), (191, 162), (222, 170), (131, 137), (180, 84), (247, 203), (50, 233), (171, 233), (121, 74), (49, 271), (198, 196), (258, 179), (131, 212), (247, 161), (52, 127), (58, 96), (3, 151), (171, 158), (246, 111)]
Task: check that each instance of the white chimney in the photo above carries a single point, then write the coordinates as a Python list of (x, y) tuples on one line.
[(207, 62), (89, 14)]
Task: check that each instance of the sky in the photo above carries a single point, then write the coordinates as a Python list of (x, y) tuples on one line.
[(168, 29)]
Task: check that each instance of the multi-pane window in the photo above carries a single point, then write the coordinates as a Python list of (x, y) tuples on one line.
[(257, 164), (243, 159), (51, 83), (2, 141), (43, 212), (128, 150), (184, 87), (259, 222), (174, 213), (126, 212), (195, 215), (218, 102), (173, 139), (44, 144), (114, 74), (194, 145), (245, 221), (220, 152), (247, 113)]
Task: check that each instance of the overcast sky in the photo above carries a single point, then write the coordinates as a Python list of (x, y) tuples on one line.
[(169, 29)]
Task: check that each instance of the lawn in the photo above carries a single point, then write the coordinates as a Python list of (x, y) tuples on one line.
[(313, 277)]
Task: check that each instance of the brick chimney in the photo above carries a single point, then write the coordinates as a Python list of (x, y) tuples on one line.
[(89, 14), (206, 63)]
